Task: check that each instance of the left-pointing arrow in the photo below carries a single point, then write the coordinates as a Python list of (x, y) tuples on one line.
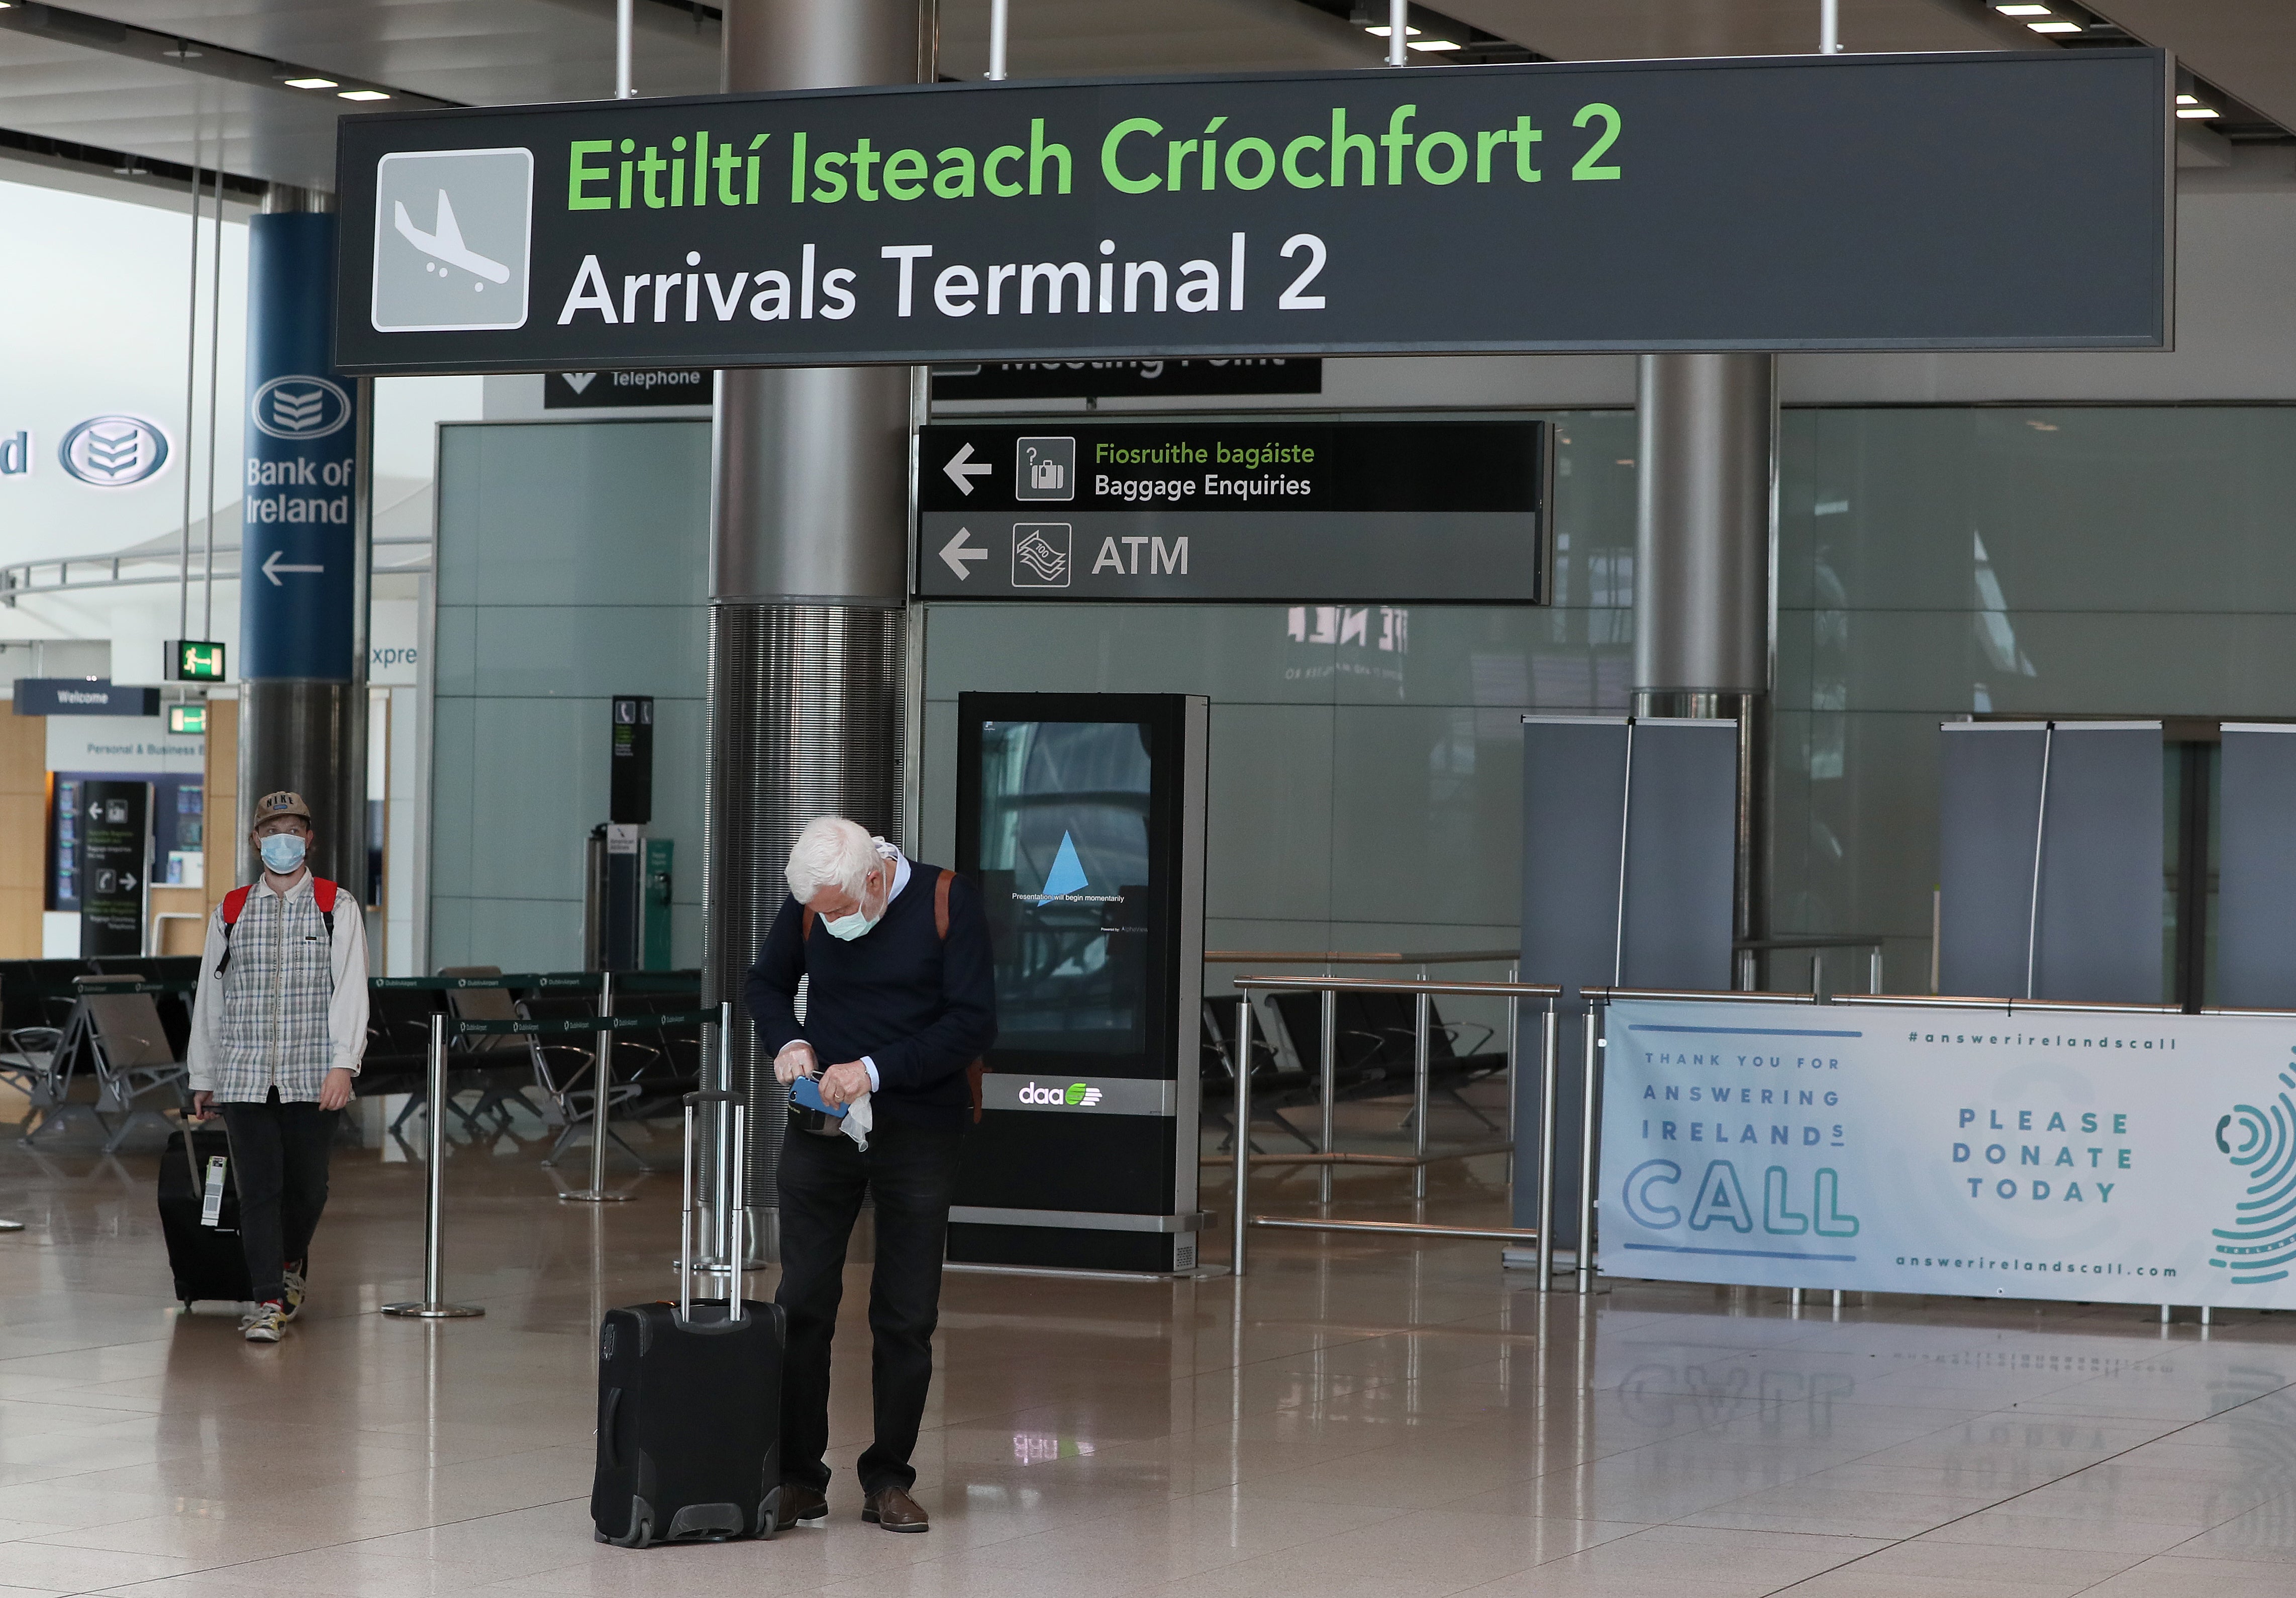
[(956, 553), (273, 566)]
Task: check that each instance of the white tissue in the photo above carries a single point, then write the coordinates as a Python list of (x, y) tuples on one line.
[(857, 1123)]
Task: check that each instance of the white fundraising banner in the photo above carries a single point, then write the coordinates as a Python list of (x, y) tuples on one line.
[(2121, 1157)]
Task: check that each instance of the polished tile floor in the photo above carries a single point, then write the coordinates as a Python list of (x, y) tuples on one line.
[(1363, 1418)]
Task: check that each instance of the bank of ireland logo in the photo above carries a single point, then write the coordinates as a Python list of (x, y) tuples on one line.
[(299, 407), (453, 233), (114, 452), (2261, 1245)]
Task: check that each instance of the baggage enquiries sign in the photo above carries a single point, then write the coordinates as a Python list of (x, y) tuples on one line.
[(1394, 510), (1807, 202), (2124, 1159)]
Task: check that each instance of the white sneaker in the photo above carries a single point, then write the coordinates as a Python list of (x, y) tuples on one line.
[(268, 1325)]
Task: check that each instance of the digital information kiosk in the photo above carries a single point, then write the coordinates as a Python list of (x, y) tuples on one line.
[(1081, 818)]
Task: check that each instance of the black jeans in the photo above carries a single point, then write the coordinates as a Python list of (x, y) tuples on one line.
[(911, 1171), (281, 1152)]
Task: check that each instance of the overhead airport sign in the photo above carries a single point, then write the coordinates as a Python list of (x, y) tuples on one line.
[(1428, 510), (2000, 200)]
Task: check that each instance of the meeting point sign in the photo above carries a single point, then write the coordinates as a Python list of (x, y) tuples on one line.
[(2008, 200)]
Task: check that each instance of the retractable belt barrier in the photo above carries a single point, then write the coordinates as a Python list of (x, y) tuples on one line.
[(587, 1023), (102, 989), (580, 981)]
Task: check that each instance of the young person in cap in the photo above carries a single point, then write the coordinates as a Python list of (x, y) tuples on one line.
[(278, 1028)]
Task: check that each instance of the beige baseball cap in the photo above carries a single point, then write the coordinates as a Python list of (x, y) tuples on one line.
[(281, 803)]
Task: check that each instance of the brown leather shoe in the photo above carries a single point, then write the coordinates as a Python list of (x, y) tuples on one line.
[(800, 1505), (895, 1511)]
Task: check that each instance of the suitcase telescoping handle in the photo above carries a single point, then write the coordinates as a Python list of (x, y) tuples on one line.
[(738, 1223)]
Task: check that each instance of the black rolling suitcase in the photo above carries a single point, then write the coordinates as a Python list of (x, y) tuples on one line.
[(198, 1214), (689, 1405)]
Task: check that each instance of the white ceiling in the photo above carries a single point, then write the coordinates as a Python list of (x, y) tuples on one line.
[(501, 51)]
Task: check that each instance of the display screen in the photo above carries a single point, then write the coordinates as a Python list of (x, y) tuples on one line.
[(1063, 851)]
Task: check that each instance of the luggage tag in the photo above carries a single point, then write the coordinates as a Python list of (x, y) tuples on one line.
[(211, 1200), (806, 1091)]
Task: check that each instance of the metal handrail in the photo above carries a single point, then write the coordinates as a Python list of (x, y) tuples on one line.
[(1424, 990), (1750, 951), (2017, 1006)]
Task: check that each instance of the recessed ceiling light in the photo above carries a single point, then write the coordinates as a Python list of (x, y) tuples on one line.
[(2054, 27), (2186, 100), (1381, 31), (362, 94), (2194, 113), (2023, 10), (309, 83), (1432, 45)]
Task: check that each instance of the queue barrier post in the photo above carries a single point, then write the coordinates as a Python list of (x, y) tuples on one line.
[(433, 1306), (602, 1093)]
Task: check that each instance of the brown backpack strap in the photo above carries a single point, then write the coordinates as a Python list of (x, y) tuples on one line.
[(940, 925), (805, 924), (972, 1074)]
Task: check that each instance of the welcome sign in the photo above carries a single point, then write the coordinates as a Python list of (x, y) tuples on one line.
[(2140, 1159), (1995, 199)]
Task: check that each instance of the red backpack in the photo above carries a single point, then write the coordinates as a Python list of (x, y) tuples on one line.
[(322, 895)]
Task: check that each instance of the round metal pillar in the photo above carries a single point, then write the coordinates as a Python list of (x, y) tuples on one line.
[(809, 579)]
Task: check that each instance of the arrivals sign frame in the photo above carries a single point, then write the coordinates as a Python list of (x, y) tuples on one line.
[(1779, 203)]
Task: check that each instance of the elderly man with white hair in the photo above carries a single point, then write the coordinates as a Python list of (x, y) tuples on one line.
[(900, 1000)]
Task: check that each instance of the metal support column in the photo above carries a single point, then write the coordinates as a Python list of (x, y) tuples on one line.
[(1706, 518), (809, 514)]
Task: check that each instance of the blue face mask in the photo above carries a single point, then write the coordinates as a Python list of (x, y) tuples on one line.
[(283, 852)]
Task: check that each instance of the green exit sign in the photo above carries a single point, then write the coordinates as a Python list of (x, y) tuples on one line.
[(187, 718), (195, 661)]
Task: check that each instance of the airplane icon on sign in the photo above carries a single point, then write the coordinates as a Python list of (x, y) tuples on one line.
[(445, 243)]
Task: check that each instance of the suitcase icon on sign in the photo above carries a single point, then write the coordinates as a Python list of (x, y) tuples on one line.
[(1045, 469)]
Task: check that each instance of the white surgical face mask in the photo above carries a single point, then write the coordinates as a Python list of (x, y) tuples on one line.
[(848, 927), (283, 852)]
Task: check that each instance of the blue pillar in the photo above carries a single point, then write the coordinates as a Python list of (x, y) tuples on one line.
[(302, 711)]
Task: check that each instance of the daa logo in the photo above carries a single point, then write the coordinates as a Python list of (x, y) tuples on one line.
[(114, 452), (1077, 1095), (452, 232), (299, 407)]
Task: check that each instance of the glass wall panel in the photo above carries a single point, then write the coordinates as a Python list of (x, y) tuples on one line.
[(572, 563), (2043, 560)]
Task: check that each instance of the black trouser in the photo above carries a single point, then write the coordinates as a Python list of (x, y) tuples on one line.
[(911, 1172), (281, 1151)]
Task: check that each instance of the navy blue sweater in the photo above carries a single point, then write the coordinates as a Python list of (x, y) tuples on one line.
[(922, 1008)]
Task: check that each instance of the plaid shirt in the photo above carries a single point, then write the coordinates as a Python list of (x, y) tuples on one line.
[(292, 1004)]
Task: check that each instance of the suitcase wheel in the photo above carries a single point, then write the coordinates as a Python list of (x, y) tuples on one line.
[(769, 1516)]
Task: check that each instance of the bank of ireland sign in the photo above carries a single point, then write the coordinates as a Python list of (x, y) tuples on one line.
[(2137, 1159)]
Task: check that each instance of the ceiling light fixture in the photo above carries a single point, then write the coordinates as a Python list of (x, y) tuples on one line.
[(2023, 10), (362, 94), (309, 83), (2195, 112), (1431, 44), (2054, 27), (2186, 100), (1380, 32)]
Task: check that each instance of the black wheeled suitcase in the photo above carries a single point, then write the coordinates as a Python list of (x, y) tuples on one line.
[(199, 1215), (689, 1407)]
